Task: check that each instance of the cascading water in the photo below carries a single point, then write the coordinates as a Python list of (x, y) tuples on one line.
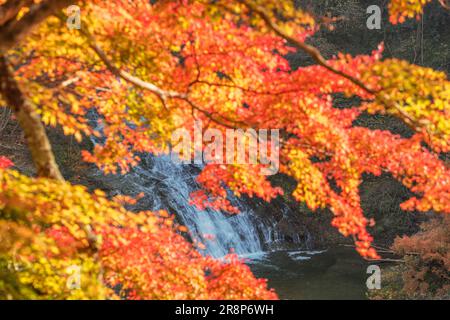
[(170, 185)]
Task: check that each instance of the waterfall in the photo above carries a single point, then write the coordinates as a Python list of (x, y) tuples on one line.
[(169, 186)]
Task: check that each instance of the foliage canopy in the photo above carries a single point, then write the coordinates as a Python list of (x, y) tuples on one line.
[(137, 71)]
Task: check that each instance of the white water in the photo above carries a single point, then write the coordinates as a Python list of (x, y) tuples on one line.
[(170, 185)]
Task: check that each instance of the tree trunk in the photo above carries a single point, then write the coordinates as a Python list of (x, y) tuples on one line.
[(30, 122)]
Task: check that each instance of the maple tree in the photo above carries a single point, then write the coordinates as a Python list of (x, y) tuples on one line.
[(400, 10), (139, 70), (427, 259), (48, 226), (425, 256)]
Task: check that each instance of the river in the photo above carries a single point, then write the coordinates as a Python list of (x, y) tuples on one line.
[(337, 273)]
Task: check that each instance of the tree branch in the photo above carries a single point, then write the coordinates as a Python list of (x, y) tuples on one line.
[(310, 50), (162, 94), (444, 4), (29, 120), (319, 59), (13, 32), (11, 8)]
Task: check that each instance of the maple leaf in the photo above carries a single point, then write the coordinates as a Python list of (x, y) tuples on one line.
[(5, 163)]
